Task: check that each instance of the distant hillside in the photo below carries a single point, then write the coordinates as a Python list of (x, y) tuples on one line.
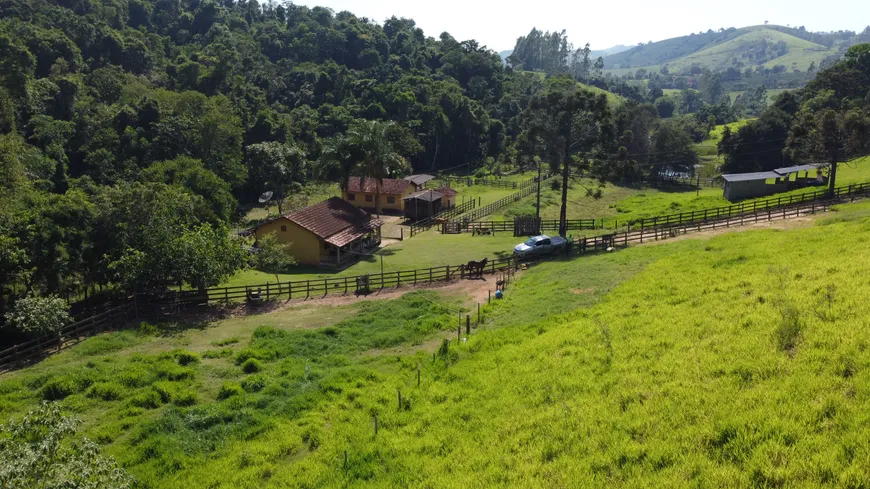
[(743, 48), (609, 51), (594, 54)]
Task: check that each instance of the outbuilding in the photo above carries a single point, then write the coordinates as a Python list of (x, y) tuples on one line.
[(740, 186), (423, 204), (331, 233)]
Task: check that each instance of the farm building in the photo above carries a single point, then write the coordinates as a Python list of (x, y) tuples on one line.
[(362, 193), (331, 233), (423, 204), (740, 186), (449, 199), (419, 180)]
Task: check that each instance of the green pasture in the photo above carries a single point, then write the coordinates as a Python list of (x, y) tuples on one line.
[(738, 360)]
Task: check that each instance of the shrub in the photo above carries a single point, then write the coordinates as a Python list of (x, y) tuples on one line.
[(273, 256), (184, 357), (147, 329), (149, 399), (226, 341), (222, 353), (252, 365), (254, 383), (230, 389), (39, 315), (247, 353), (184, 398), (107, 391), (135, 376), (171, 371), (165, 390), (789, 329), (58, 388)]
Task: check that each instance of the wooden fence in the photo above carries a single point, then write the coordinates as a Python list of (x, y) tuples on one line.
[(527, 189), (490, 182), (429, 222), (545, 225), (118, 316), (747, 207), (69, 335)]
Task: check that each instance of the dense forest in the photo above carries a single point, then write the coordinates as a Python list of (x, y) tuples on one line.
[(134, 132), (131, 130)]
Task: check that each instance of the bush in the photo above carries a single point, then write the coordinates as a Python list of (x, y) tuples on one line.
[(272, 256), (171, 371), (165, 390), (252, 365), (254, 383), (184, 357), (222, 353), (226, 341), (107, 391), (135, 376), (230, 389), (147, 329), (149, 399), (39, 315), (184, 398), (59, 388), (247, 353)]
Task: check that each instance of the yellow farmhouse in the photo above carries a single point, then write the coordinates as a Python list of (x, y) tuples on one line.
[(361, 193), (331, 233)]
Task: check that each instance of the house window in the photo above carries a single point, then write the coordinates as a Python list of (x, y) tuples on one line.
[(351, 196), (368, 198), (283, 229), (391, 200)]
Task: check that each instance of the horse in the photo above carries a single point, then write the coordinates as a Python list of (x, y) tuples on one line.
[(475, 268)]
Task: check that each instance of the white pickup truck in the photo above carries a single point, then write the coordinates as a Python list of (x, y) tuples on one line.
[(540, 245)]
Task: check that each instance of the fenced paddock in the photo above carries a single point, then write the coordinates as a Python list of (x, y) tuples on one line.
[(119, 316), (429, 222)]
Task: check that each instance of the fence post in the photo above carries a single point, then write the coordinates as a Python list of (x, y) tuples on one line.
[(467, 324)]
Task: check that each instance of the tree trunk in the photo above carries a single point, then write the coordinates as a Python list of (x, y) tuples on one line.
[(563, 212), (832, 178)]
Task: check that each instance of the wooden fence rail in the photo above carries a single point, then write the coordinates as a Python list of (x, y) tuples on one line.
[(429, 222), (527, 189), (545, 225)]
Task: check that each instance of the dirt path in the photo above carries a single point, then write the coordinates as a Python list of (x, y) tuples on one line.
[(782, 224)]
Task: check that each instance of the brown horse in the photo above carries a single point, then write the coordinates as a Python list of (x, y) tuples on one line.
[(475, 268)]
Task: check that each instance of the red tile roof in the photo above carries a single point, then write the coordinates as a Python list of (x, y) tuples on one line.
[(335, 221), (446, 191), (389, 186)]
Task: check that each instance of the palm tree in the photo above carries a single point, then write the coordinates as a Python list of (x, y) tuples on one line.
[(367, 149)]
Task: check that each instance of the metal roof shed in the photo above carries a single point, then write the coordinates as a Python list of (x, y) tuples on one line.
[(739, 186)]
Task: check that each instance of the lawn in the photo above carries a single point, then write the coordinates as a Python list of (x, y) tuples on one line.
[(739, 360), (430, 249)]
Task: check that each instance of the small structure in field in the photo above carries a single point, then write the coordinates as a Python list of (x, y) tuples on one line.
[(740, 186), (449, 199), (419, 180), (423, 204), (331, 233)]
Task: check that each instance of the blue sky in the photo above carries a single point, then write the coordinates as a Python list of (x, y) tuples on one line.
[(603, 24)]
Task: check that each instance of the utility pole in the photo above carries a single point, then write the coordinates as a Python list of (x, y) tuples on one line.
[(538, 206)]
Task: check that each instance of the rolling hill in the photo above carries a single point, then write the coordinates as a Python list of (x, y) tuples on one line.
[(765, 45)]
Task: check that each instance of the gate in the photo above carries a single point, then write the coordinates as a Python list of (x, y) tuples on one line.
[(527, 226)]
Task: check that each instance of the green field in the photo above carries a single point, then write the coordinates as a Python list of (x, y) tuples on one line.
[(801, 53), (733, 361)]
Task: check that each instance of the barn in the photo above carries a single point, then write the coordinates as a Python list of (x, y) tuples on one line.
[(331, 233)]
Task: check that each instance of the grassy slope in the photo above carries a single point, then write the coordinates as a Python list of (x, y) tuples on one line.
[(684, 376), (801, 53), (739, 361)]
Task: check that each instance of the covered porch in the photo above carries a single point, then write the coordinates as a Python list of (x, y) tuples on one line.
[(336, 254)]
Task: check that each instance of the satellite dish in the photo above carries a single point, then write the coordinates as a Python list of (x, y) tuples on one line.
[(266, 197)]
